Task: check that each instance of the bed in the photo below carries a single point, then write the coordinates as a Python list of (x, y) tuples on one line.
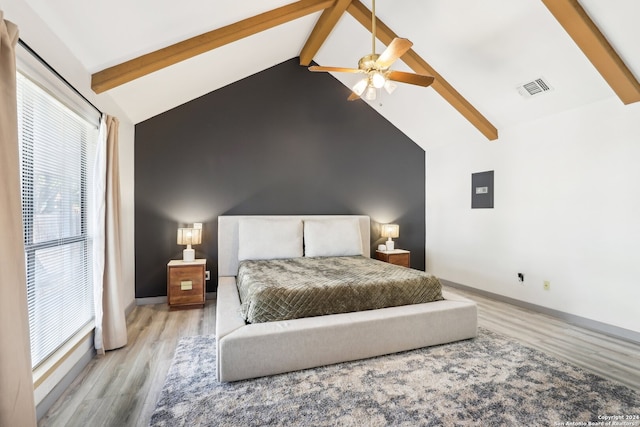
[(249, 349)]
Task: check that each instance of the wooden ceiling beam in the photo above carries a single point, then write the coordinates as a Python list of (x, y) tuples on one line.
[(419, 65), (596, 48), (154, 61), (321, 31)]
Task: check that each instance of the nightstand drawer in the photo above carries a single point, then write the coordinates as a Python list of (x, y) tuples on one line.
[(186, 284), (396, 257)]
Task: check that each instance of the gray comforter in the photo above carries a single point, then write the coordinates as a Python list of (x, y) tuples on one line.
[(283, 289)]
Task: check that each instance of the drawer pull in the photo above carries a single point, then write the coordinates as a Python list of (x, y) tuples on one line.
[(186, 285)]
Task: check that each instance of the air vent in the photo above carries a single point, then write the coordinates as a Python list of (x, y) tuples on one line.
[(534, 88)]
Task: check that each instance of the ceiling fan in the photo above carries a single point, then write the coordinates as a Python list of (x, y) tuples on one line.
[(376, 67)]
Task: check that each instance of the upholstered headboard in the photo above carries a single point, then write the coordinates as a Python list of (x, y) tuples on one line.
[(228, 236)]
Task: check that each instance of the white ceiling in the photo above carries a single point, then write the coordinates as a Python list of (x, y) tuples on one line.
[(485, 49)]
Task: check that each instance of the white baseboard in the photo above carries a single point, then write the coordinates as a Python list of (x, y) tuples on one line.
[(130, 308), (43, 406), (151, 300), (583, 322)]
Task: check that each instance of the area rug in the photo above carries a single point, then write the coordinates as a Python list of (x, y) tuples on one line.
[(487, 381)]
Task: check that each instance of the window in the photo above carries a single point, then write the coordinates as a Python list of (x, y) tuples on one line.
[(57, 148)]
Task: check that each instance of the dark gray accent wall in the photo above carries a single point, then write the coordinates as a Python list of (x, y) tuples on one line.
[(283, 141)]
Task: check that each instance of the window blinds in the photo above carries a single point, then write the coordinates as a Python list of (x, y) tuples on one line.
[(57, 151)]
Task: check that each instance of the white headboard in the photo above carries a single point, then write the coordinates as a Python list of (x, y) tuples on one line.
[(228, 237)]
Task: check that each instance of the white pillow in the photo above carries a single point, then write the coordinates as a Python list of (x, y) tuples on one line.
[(332, 237), (269, 238)]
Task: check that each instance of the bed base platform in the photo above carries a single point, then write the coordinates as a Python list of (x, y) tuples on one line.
[(255, 350)]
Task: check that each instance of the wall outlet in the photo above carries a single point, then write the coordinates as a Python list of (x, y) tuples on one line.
[(207, 275), (546, 285)]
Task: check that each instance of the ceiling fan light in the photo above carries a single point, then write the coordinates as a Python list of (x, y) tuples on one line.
[(390, 86), (359, 87), (377, 79), (371, 93)]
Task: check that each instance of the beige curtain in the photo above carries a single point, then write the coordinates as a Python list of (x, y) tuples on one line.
[(17, 406), (111, 327)]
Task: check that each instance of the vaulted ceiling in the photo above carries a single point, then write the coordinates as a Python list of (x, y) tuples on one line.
[(149, 56)]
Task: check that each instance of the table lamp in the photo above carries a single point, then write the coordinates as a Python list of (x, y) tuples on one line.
[(189, 236), (390, 230)]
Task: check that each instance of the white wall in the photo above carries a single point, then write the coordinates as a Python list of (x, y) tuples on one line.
[(567, 210)]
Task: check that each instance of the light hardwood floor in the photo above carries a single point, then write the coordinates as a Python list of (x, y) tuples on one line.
[(121, 388)]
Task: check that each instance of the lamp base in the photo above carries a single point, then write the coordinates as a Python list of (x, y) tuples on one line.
[(188, 255), (390, 245)]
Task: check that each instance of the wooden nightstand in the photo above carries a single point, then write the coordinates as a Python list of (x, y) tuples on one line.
[(396, 256), (186, 283)]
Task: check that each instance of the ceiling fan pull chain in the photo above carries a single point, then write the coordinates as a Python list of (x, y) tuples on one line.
[(373, 27)]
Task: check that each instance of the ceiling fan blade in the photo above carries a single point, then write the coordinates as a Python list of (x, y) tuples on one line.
[(334, 69), (395, 50), (354, 96), (411, 78)]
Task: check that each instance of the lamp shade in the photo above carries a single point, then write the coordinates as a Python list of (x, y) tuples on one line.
[(189, 236), (390, 230)]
